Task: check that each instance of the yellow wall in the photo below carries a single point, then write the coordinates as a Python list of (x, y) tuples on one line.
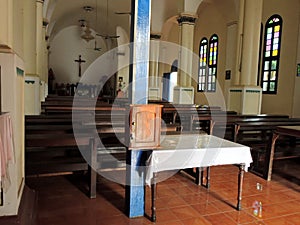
[(211, 21), (282, 103), (18, 27)]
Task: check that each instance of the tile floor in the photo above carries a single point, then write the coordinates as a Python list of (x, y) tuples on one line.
[(180, 201)]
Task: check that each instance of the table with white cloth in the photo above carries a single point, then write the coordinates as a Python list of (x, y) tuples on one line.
[(6, 151), (195, 151)]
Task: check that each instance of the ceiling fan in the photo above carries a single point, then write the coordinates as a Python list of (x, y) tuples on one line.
[(96, 48), (123, 13), (106, 36)]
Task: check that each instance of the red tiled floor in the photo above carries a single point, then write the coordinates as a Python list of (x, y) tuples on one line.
[(179, 201)]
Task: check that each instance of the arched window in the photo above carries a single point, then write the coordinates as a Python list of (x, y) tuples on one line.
[(212, 65), (208, 59), (271, 55), (202, 64)]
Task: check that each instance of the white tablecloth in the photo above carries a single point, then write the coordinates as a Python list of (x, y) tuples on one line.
[(194, 150), (6, 149)]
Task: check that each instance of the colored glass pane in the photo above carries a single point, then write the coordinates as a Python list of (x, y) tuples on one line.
[(274, 53), (269, 36), (270, 30), (272, 86), (265, 86), (266, 67), (274, 65), (273, 75), (266, 76)]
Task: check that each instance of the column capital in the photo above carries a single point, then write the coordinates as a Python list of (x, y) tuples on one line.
[(155, 36), (186, 18), (40, 1)]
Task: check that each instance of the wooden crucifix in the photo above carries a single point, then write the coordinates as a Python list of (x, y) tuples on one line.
[(79, 61)]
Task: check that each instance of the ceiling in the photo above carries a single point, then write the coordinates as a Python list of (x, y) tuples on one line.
[(104, 16)]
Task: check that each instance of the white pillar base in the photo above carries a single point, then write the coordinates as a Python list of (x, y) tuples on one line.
[(42, 91), (183, 95), (245, 100), (154, 93), (32, 95)]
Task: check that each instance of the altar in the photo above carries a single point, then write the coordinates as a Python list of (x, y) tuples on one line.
[(194, 151)]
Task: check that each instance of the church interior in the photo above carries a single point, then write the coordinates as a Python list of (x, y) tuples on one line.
[(149, 112)]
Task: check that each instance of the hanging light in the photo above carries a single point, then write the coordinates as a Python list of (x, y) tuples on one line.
[(87, 34)]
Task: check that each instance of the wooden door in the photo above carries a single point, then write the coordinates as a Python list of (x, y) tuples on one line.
[(145, 126)]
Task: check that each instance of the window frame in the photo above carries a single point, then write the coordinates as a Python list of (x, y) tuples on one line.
[(271, 58), (203, 44), (209, 69)]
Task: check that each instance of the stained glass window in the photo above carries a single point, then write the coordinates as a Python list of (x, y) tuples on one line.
[(202, 64), (271, 54), (208, 55)]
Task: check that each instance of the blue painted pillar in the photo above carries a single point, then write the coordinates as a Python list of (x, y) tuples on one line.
[(138, 77)]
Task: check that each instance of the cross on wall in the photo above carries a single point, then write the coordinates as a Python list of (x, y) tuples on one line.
[(79, 61)]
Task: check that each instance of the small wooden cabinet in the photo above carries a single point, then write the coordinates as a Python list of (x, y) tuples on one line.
[(145, 126)]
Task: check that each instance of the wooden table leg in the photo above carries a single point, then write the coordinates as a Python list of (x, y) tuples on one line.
[(269, 158), (91, 170), (207, 177), (240, 186), (153, 197), (199, 176)]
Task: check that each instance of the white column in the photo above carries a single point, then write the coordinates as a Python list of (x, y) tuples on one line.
[(39, 38), (6, 24), (230, 65), (239, 44), (154, 57), (31, 89), (30, 37), (250, 53), (184, 92), (154, 89), (245, 96), (187, 24), (45, 52)]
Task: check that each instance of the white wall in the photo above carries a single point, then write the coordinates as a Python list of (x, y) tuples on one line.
[(12, 92), (66, 46)]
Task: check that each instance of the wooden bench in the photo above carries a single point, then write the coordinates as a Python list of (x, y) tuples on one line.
[(61, 155), (257, 135), (110, 129), (280, 132)]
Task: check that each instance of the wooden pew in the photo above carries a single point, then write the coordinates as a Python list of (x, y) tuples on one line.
[(60, 151), (281, 132), (109, 128), (264, 126), (227, 122), (258, 135)]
